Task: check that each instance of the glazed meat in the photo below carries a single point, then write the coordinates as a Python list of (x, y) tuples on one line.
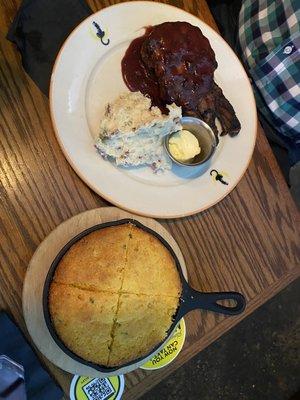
[(174, 63), (214, 105), (182, 61)]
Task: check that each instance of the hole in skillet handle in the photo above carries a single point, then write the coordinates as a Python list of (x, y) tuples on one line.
[(192, 299)]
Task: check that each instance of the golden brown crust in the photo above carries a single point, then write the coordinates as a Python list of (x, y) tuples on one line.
[(97, 261), (137, 332), (83, 320), (150, 268), (113, 295)]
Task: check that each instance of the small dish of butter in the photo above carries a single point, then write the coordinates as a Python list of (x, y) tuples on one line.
[(193, 145)]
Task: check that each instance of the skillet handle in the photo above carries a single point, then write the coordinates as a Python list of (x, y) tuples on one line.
[(209, 301)]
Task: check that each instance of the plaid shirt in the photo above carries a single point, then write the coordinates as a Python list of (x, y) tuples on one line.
[(269, 37)]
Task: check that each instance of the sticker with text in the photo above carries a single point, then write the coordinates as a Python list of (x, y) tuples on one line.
[(170, 351), (84, 388)]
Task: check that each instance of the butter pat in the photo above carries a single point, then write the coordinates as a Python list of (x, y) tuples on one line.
[(184, 146)]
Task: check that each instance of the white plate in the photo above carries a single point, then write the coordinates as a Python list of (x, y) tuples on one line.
[(87, 74)]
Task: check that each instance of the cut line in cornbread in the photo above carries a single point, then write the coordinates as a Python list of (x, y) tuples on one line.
[(114, 294), (137, 332), (150, 268), (97, 261), (83, 320)]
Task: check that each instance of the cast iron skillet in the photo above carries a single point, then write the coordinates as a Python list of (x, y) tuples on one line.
[(190, 299)]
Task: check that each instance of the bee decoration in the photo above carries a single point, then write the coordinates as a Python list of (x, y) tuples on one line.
[(218, 176), (100, 33)]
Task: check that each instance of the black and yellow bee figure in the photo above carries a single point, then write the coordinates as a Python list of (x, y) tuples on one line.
[(218, 176), (100, 34)]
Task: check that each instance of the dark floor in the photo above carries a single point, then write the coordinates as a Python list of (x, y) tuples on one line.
[(259, 359)]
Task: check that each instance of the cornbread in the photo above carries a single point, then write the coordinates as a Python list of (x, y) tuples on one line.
[(97, 261), (144, 327), (150, 267), (114, 294), (83, 320)]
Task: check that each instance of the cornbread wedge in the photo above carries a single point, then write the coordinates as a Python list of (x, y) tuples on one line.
[(83, 320), (150, 268), (140, 330), (97, 261)]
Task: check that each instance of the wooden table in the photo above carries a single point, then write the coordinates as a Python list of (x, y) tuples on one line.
[(248, 242)]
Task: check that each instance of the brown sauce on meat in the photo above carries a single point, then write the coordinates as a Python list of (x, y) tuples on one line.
[(174, 63), (171, 62), (135, 74)]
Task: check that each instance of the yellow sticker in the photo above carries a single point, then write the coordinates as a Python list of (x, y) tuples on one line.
[(170, 351), (84, 388)]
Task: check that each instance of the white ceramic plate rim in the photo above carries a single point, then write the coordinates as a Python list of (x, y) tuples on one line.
[(136, 206)]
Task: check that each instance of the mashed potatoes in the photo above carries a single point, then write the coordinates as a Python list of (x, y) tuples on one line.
[(132, 132)]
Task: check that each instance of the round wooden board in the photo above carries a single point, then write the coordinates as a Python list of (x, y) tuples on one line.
[(37, 272)]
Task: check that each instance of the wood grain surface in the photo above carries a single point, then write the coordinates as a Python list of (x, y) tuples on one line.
[(249, 242)]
